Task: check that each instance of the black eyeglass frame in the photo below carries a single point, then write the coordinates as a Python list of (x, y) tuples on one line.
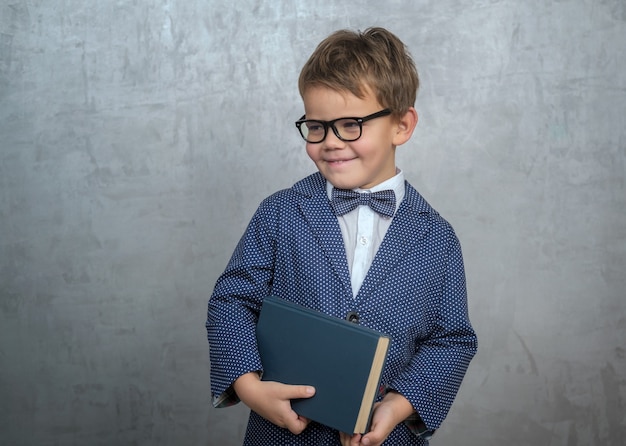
[(331, 124)]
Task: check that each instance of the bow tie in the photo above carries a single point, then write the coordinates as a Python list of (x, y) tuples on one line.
[(383, 202)]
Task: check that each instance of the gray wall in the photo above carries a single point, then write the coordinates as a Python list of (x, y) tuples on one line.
[(138, 137)]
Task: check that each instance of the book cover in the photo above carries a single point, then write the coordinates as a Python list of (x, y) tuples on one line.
[(342, 360)]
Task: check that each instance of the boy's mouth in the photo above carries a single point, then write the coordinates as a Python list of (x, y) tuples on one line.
[(338, 162)]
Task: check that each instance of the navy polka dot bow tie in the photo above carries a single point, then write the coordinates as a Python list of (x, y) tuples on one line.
[(383, 202)]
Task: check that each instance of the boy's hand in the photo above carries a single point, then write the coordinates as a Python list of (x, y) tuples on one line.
[(271, 400), (391, 411)]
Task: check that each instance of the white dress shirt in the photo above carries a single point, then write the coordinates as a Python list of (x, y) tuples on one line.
[(363, 230)]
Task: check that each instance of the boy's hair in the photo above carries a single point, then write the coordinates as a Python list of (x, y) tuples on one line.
[(349, 61)]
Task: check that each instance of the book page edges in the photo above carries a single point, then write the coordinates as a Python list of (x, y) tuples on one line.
[(372, 385)]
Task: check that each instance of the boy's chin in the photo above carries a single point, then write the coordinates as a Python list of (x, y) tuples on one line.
[(343, 184)]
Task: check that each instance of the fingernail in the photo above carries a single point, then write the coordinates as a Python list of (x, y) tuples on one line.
[(310, 390)]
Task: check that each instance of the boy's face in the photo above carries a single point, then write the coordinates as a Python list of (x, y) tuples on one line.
[(363, 163)]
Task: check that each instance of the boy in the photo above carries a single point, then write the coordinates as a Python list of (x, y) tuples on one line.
[(389, 259)]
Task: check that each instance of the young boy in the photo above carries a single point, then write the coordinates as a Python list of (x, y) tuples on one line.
[(387, 257)]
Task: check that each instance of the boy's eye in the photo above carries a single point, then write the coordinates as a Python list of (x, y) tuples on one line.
[(348, 125), (314, 127)]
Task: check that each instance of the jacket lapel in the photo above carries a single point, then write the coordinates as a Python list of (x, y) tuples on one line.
[(324, 226), (409, 225)]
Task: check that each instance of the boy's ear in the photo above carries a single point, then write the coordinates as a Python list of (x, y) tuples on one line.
[(405, 126)]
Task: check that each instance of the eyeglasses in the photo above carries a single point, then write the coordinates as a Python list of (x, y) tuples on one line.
[(346, 129)]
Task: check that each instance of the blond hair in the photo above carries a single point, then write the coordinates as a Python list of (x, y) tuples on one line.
[(375, 59)]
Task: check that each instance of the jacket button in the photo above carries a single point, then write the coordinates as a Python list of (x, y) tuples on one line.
[(353, 317)]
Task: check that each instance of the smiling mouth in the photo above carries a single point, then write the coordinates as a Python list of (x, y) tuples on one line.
[(337, 162)]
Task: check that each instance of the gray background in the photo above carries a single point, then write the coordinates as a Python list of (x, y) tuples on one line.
[(138, 137)]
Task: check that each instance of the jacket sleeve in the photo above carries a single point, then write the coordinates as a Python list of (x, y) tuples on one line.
[(433, 376), (235, 303)]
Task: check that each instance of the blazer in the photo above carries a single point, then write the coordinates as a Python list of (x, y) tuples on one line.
[(414, 291)]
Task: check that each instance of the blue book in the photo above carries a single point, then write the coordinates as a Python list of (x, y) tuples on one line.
[(341, 359)]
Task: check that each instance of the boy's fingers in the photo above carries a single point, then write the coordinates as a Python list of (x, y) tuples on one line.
[(301, 392), (290, 392)]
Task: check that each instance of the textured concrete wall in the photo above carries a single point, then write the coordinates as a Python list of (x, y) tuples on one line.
[(137, 138)]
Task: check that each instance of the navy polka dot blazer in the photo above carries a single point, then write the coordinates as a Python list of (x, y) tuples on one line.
[(414, 291)]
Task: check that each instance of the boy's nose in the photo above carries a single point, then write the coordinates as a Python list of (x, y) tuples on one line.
[(332, 141)]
